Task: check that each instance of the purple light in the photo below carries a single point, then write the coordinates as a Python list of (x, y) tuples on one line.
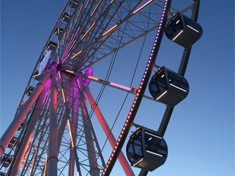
[(69, 46), (88, 72), (47, 85)]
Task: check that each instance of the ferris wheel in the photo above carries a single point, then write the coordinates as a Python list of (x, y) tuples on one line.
[(63, 111)]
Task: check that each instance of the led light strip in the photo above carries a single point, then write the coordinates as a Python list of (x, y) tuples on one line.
[(193, 28), (93, 78), (45, 168), (147, 3), (58, 44), (110, 29), (162, 95), (87, 4), (69, 46), (154, 153), (78, 13), (178, 87), (96, 8), (137, 98), (69, 30), (63, 39), (76, 54), (153, 135), (177, 35), (87, 31), (70, 131), (120, 86), (62, 90), (138, 162)]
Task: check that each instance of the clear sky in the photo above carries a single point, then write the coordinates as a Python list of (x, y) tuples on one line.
[(200, 135)]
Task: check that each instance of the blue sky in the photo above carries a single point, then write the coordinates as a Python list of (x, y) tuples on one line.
[(200, 135)]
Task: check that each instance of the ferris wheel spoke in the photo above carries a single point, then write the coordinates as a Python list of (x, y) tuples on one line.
[(108, 83), (109, 37), (102, 17), (79, 46)]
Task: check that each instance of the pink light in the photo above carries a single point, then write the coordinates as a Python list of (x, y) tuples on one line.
[(46, 86), (96, 7), (77, 31), (69, 11), (87, 4), (78, 14), (64, 38), (147, 3), (58, 44), (120, 86)]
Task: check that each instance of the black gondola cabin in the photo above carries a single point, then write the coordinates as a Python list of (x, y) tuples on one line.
[(6, 160), (183, 30), (66, 17), (36, 76), (74, 4), (146, 149), (30, 90), (51, 46), (12, 142), (58, 31), (168, 87)]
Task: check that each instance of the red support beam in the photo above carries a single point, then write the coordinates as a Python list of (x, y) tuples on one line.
[(122, 159)]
